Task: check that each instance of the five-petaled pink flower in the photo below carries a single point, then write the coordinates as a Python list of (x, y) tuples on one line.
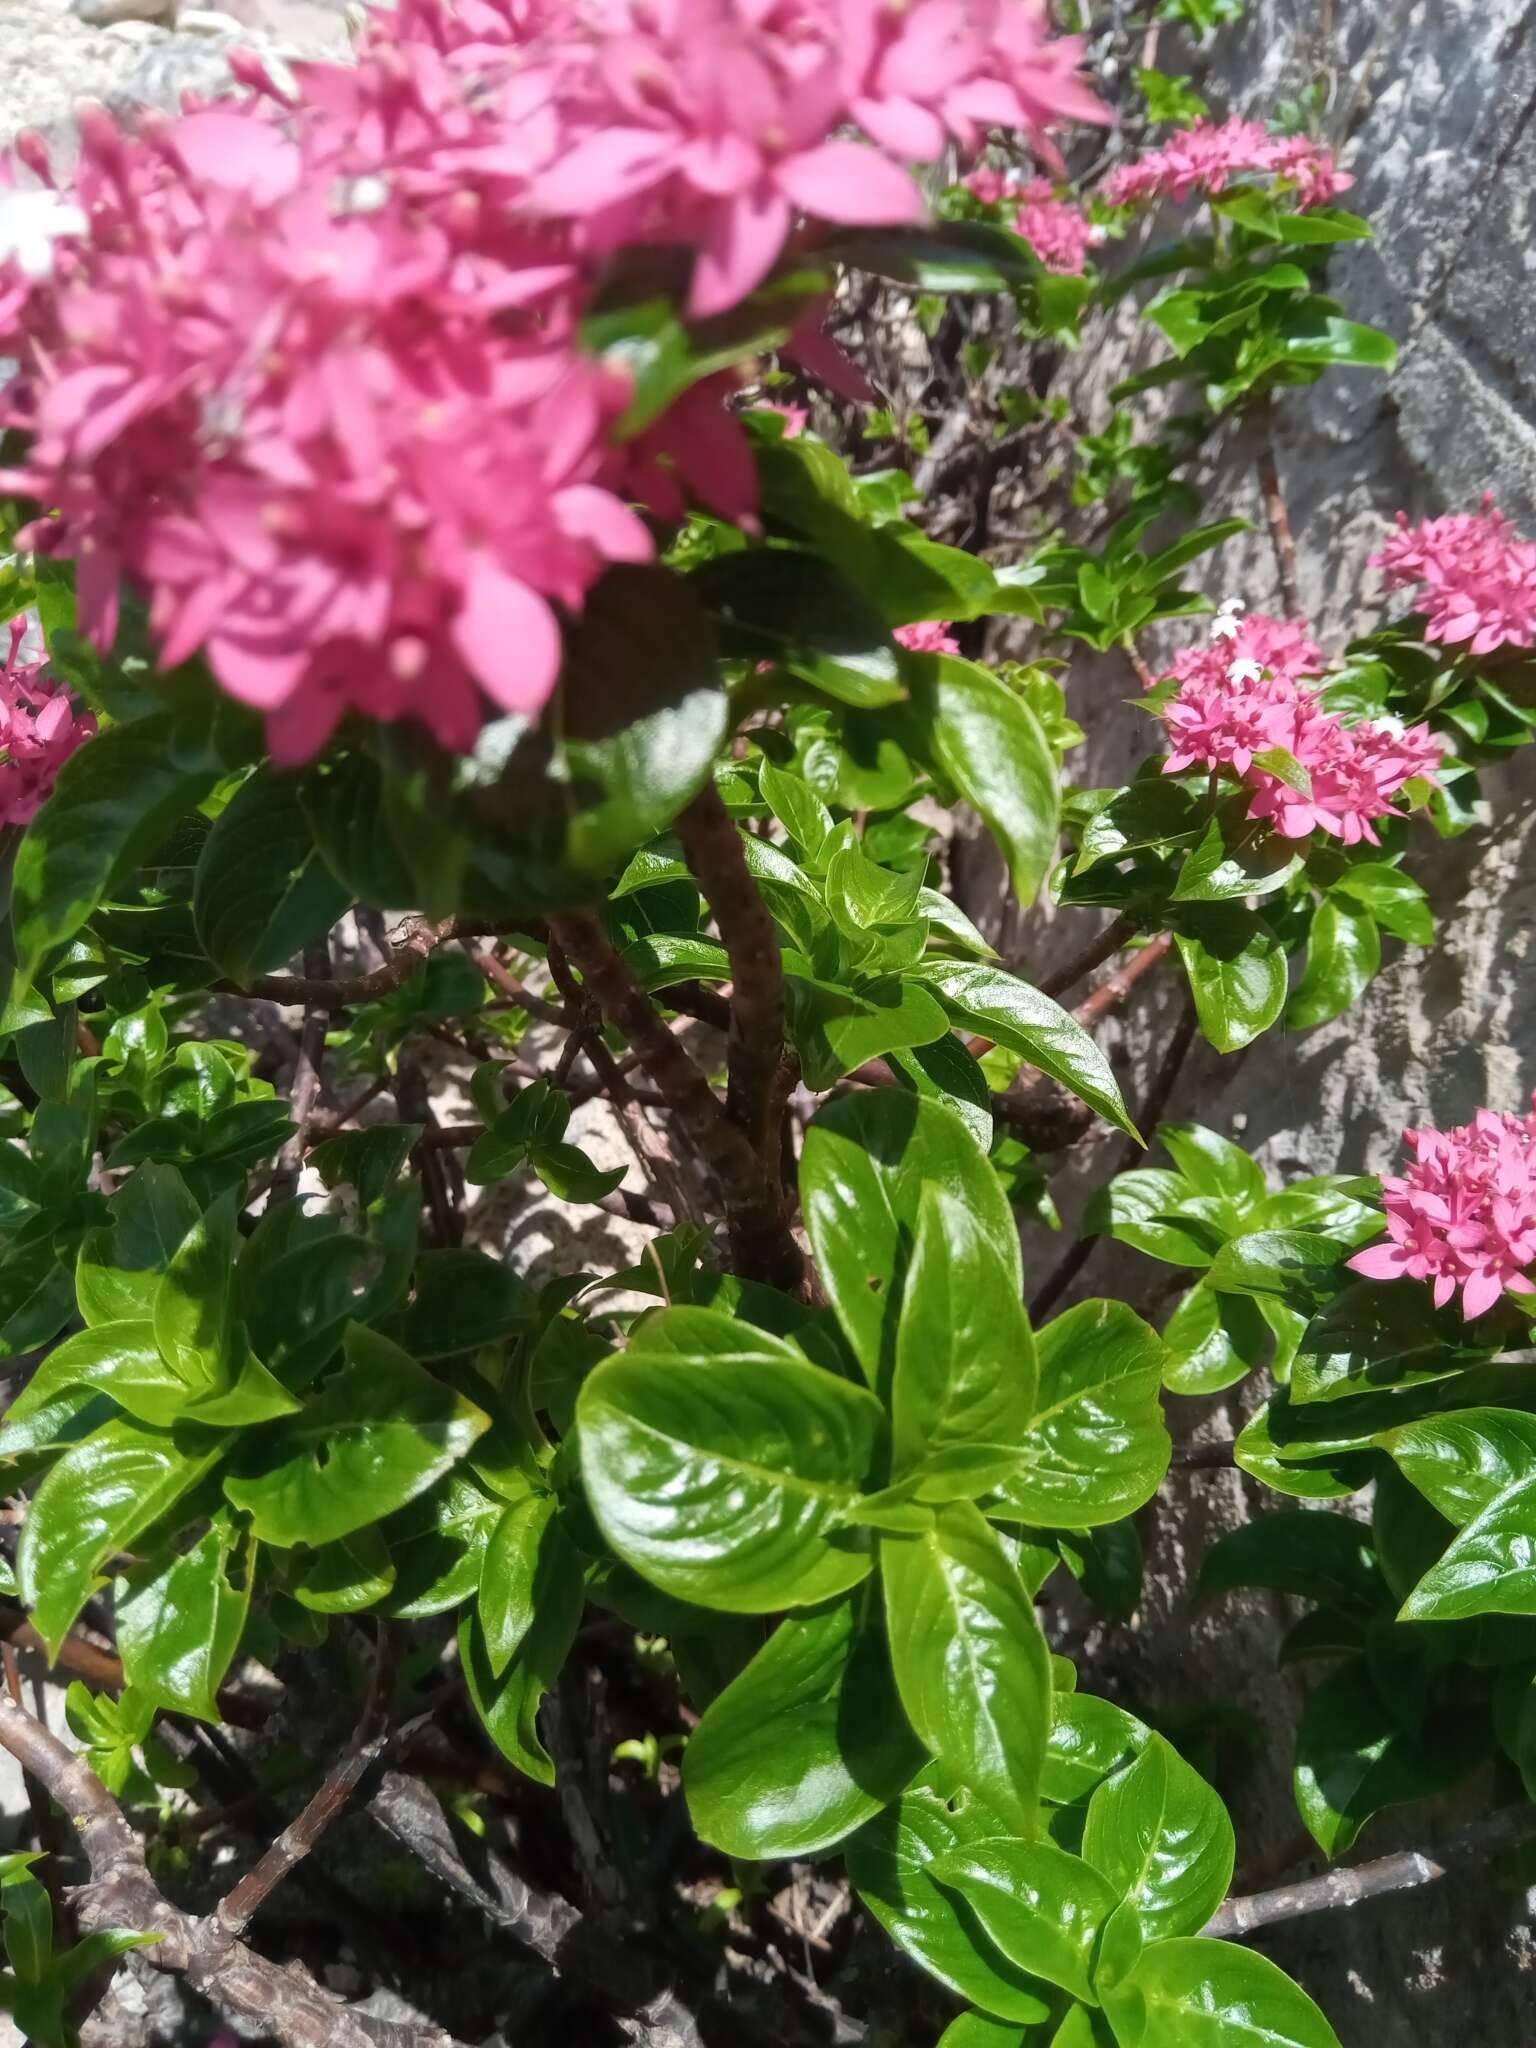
[(1474, 578), (1464, 1213), (39, 730)]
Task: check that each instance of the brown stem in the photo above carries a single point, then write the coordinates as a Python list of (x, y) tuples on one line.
[(415, 940), (306, 1076), (288, 2004), (1110, 994), (1119, 932), (1152, 1108), (1139, 668), (1407, 1871), (1281, 538), (234, 1912), (712, 845), (515, 993), (761, 1242)]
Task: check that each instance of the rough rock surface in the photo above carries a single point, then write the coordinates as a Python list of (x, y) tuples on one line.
[(1433, 102)]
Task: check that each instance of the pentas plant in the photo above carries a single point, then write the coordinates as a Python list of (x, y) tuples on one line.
[(462, 630)]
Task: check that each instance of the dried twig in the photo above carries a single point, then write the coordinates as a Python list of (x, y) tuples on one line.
[(234, 1912), (1406, 1871), (286, 2002)]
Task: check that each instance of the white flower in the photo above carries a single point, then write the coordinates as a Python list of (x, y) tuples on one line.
[(1245, 672), (1231, 604), (1224, 627), (1391, 728), (30, 223)]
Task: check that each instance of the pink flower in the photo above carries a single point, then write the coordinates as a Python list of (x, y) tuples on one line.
[(1464, 1213), (930, 636), (1239, 698), (988, 185), (39, 730), (795, 417), (1477, 578), (1060, 234), (1206, 157)]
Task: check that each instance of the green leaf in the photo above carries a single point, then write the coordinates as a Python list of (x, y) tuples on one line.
[(965, 1354), (947, 256), (1312, 1554), (95, 1951), (836, 1028), (1315, 336), (519, 1559), (1211, 1164), (1343, 953), (378, 1432), (348, 1576), (779, 604), (1380, 1333), (122, 1360), (1153, 1210), (508, 1706), (1107, 1563), (864, 897), (460, 1300), (1463, 1462), (1354, 1756), (841, 1747), (1090, 1738), (946, 1073), (571, 1176), (796, 806), (1236, 969), (1394, 899), (1190, 1993), (1301, 1267), (262, 890), (980, 2030), (28, 1921), (1489, 1567), (94, 1500), (1213, 872), (113, 803), (970, 728), (1161, 1836), (989, 1000), (119, 1267), (971, 1664), (191, 1309), (180, 1620), (1211, 1341), (1043, 1908), (863, 1168), (889, 1863), (1096, 1448), (719, 1462)]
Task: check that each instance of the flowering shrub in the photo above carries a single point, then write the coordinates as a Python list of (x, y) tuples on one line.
[(462, 629)]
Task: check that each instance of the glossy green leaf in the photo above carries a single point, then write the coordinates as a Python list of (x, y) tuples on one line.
[(1212, 1164), (796, 806), (1394, 899), (980, 2030), (1216, 871), (780, 604), (93, 1502), (837, 1028), (971, 1664), (965, 1354), (1044, 1908), (192, 1308), (1377, 1334), (840, 1748), (1236, 969), (379, 1431), (1015, 1014), (508, 1705), (948, 1074), (180, 1620), (262, 889), (1211, 1341), (519, 1560), (119, 1266), (1489, 1567), (719, 1463), (888, 1863), (863, 1168), (947, 256), (1154, 1211), (1301, 1267), (1314, 1555), (113, 803), (1162, 1838), (1463, 1462), (1090, 1739), (348, 1576), (1190, 1993), (1096, 1447), (122, 1360), (1343, 953), (1354, 1756)]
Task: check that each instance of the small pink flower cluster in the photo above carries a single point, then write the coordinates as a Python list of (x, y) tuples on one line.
[(1478, 577), (931, 636), (1206, 157), (308, 367), (1059, 232), (1464, 1214), (39, 730), (1240, 697)]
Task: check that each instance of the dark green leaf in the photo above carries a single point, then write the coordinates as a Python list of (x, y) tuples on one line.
[(509, 1705), (519, 1559), (1236, 969), (1354, 1757), (1343, 953), (262, 889), (1299, 1266), (119, 1267), (1211, 1341), (779, 604), (1312, 1554), (948, 256), (1489, 1567), (1162, 1838)]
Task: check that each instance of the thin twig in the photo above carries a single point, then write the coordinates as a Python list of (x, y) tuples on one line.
[(1406, 1871), (1110, 994), (713, 849), (306, 1075), (1281, 538), (1152, 1108), (762, 1244), (1139, 668), (416, 939), (234, 1912), (515, 993), (1119, 932), (286, 2002)]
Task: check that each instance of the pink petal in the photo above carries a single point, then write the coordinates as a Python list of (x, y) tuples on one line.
[(1479, 1292), (1379, 1262), (237, 152), (845, 181), (508, 638), (740, 247), (605, 167), (590, 514)]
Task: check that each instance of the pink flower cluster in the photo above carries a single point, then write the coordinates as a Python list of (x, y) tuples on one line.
[(308, 368), (931, 636), (1477, 577), (1239, 698), (1059, 232), (1206, 157), (39, 730), (1464, 1213)]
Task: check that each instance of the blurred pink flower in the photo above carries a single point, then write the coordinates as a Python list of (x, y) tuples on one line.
[(39, 730), (1206, 157), (1059, 233), (1476, 577), (1464, 1213), (930, 636)]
